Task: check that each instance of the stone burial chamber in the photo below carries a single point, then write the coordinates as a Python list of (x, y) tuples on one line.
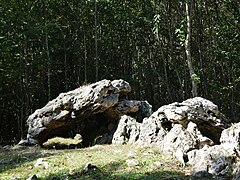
[(194, 131), (91, 110)]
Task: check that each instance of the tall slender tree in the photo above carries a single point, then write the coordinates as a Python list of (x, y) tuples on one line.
[(193, 76), (96, 39)]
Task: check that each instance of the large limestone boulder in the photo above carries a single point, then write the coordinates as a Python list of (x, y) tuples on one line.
[(152, 131), (127, 131), (184, 140), (183, 129), (231, 136), (219, 160), (91, 108), (175, 128), (210, 122), (215, 160)]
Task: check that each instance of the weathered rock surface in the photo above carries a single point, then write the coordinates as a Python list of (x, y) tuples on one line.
[(151, 131), (213, 160), (191, 131), (231, 137), (176, 128), (42, 162), (179, 138), (219, 160), (90, 107), (128, 130), (210, 122)]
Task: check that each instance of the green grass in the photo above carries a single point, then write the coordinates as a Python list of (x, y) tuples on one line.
[(110, 161)]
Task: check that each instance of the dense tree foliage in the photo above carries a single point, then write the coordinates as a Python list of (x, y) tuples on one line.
[(52, 46)]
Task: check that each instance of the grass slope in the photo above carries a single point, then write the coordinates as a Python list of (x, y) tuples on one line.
[(110, 160)]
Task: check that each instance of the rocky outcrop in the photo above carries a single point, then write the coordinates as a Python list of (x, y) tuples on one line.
[(215, 160), (177, 141), (179, 138), (219, 160), (92, 109), (210, 122), (177, 126), (192, 131)]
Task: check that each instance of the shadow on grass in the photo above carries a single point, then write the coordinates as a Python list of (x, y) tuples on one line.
[(111, 168), (14, 157), (115, 171)]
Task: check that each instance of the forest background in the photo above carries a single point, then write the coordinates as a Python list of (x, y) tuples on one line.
[(163, 48)]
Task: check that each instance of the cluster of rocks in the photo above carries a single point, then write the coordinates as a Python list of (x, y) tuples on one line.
[(194, 130)]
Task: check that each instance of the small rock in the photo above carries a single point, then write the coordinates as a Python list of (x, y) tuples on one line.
[(158, 164), (6, 147), (231, 137), (180, 156), (131, 154), (41, 162), (132, 162), (27, 142), (88, 168), (78, 137), (218, 166), (33, 177), (102, 139)]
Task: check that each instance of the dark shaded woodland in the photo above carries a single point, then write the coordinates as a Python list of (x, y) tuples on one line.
[(167, 50)]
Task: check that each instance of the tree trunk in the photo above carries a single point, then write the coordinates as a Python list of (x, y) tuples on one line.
[(48, 65), (188, 50), (200, 47), (46, 48), (85, 58), (65, 62), (96, 42)]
